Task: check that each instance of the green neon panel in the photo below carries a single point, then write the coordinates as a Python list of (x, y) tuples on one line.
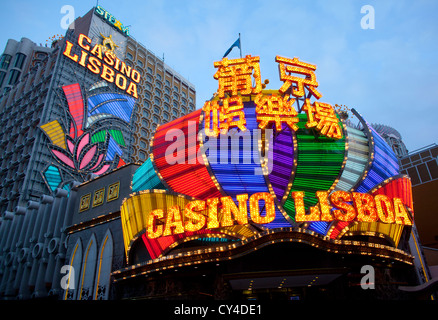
[(99, 136), (319, 162), (118, 136)]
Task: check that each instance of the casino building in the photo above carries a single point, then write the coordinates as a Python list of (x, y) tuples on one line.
[(261, 194), (72, 111), (275, 208)]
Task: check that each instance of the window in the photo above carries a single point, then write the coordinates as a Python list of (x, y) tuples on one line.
[(175, 104), (156, 119), (166, 98), (168, 83), (149, 78), (142, 155), (129, 56), (175, 88), (145, 123), (146, 104), (142, 144), (5, 61), (13, 76), (147, 95), (159, 84), (146, 113), (140, 63), (175, 96), (167, 90), (175, 112), (144, 133), (166, 107), (183, 110), (157, 92), (157, 110), (165, 116), (157, 101), (184, 94), (159, 77), (148, 86), (2, 77), (150, 70), (19, 60)]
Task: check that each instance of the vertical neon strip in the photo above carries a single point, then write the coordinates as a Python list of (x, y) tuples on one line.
[(75, 102)]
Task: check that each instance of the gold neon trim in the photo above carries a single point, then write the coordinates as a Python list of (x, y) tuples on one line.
[(71, 263), (100, 266), (83, 270)]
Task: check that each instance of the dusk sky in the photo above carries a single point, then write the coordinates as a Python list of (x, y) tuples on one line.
[(389, 74)]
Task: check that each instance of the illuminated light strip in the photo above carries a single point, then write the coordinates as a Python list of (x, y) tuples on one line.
[(243, 172), (100, 267), (356, 164), (145, 178), (52, 177), (394, 187), (389, 231), (283, 163), (319, 162), (75, 103), (382, 164), (187, 178), (55, 133), (235, 250), (134, 214), (115, 104), (357, 158)]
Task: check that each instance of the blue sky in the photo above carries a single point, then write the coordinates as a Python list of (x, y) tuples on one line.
[(389, 74)]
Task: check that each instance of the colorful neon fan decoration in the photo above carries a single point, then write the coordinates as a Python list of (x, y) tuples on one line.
[(83, 152)]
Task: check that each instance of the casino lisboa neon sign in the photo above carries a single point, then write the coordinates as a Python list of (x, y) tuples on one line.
[(316, 171)]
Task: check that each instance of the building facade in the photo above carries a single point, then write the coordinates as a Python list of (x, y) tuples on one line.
[(41, 110), (84, 106), (422, 167)]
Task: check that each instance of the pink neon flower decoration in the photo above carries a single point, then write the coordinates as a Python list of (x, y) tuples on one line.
[(81, 155)]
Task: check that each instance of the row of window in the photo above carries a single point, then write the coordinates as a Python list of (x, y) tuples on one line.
[(5, 61), (159, 77), (14, 75)]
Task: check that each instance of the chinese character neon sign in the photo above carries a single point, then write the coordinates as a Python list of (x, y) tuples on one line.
[(241, 77)]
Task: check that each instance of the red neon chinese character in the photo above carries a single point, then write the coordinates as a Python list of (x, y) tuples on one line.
[(322, 116), (235, 76), (276, 109), (288, 67)]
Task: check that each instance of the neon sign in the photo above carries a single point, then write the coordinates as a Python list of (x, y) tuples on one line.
[(303, 168), (194, 216), (111, 20), (104, 63)]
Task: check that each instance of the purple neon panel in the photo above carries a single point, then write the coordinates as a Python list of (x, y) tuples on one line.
[(283, 161)]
